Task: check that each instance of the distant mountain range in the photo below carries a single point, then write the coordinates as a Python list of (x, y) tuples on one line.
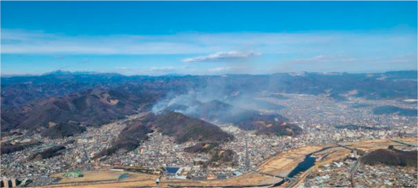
[(61, 104), (18, 90)]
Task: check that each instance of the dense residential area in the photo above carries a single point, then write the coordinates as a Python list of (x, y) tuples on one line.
[(239, 144), (127, 94)]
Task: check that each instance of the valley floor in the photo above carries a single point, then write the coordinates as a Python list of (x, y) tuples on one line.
[(268, 173)]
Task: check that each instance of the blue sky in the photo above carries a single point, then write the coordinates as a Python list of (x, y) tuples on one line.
[(158, 38)]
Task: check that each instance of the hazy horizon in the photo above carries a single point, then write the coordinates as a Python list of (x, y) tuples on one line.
[(208, 38), (176, 74)]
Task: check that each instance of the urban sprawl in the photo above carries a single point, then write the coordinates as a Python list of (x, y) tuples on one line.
[(318, 116)]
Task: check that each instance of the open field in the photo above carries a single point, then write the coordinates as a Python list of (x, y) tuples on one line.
[(279, 165)]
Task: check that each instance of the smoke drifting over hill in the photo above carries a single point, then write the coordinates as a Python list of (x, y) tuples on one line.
[(219, 104), (31, 102), (189, 103)]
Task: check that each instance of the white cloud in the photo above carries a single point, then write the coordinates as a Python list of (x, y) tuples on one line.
[(358, 46), (220, 69), (150, 71), (324, 58), (223, 70), (121, 68), (26, 42), (163, 69), (223, 56), (407, 58)]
